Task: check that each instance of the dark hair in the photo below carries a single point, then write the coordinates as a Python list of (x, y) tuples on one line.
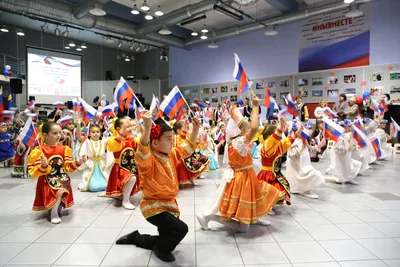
[(344, 96), (387, 96), (95, 126), (118, 122), (47, 126), (177, 126), (164, 126)]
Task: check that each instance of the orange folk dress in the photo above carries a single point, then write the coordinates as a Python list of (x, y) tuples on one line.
[(271, 158), (160, 184), (244, 197), (124, 166), (190, 168), (53, 180)]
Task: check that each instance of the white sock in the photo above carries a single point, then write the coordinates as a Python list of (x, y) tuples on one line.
[(263, 222), (54, 217), (126, 195)]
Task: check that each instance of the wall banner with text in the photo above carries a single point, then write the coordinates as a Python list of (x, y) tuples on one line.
[(332, 40)]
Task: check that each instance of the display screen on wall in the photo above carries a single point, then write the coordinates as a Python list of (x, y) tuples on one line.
[(53, 75), (332, 40)]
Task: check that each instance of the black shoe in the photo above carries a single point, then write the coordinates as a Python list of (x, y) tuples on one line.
[(129, 239), (164, 256)]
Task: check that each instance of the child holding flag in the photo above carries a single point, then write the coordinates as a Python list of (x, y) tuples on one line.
[(6, 146), (387, 150), (124, 178), (242, 199), (51, 162), (157, 160)]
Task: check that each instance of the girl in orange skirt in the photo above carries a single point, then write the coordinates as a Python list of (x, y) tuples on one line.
[(272, 151), (124, 179), (51, 162), (243, 200)]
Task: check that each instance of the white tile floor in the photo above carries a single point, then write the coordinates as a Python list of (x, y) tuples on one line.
[(348, 226)]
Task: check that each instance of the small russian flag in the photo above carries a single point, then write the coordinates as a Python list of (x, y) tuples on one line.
[(76, 105), (291, 106), (8, 113), (31, 103), (359, 136), (240, 75), (332, 130), (395, 127), (377, 147), (123, 92), (172, 103), (269, 100), (155, 107), (219, 137), (88, 112), (28, 133), (180, 114), (65, 121), (108, 111), (33, 116), (329, 112)]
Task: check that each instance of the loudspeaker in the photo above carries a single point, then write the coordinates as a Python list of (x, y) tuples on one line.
[(16, 86), (70, 105), (109, 75)]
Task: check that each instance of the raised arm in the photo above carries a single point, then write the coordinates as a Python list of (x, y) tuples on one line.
[(195, 130), (254, 124), (145, 138)]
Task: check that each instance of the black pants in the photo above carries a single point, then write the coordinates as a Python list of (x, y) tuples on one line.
[(171, 232)]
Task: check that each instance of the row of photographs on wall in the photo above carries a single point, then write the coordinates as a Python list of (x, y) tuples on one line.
[(317, 81), (376, 91)]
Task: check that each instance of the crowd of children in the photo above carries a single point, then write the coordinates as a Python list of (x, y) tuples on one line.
[(120, 157)]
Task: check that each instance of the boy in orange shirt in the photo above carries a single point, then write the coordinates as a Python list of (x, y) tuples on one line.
[(157, 162)]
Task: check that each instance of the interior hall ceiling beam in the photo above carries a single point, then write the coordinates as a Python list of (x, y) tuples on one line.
[(284, 5), (84, 7)]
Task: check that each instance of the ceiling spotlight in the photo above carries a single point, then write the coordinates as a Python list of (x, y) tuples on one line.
[(213, 44), (44, 27), (204, 30), (203, 36), (135, 10), (148, 16), (20, 32), (67, 47), (127, 58), (83, 45), (57, 31), (71, 44), (65, 33), (138, 48), (133, 58), (348, 1), (145, 48), (194, 33), (97, 10), (271, 31), (354, 12), (4, 29), (78, 49), (119, 44), (145, 6), (118, 56), (159, 11), (164, 30)]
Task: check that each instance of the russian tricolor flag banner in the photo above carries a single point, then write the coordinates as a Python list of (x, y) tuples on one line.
[(155, 107), (172, 103), (329, 112), (108, 111), (269, 100), (291, 106), (240, 75), (88, 112), (359, 136), (58, 105), (33, 116), (377, 147), (28, 134), (76, 105), (332, 130), (123, 92)]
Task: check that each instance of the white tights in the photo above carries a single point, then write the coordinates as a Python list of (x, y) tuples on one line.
[(54, 217), (126, 194)]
